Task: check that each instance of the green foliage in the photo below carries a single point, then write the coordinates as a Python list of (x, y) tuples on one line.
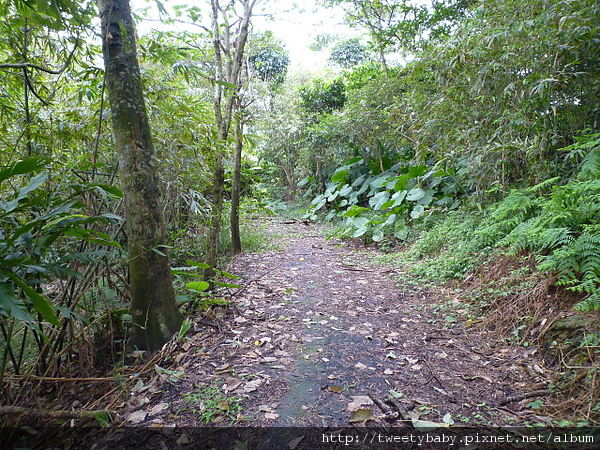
[(209, 404), (377, 198), (509, 89), (349, 53), (270, 65), (32, 222), (558, 222), (405, 24), (446, 247), (322, 97)]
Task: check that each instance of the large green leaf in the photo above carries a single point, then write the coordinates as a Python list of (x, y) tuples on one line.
[(417, 171), (29, 165), (339, 176), (395, 200), (40, 303), (416, 194), (12, 305), (401, 231), (379, 199), (354, 211), (345, 190), (33, 184), (199, 265), (197, 286)]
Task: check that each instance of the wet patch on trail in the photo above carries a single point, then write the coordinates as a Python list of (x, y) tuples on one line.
[(317, 333)]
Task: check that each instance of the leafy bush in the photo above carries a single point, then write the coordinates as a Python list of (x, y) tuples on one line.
[(448, 249), (557, 222), (45, 239), (376, 198), (31, 221)]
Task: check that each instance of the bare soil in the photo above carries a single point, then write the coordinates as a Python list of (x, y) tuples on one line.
[(319, 335)]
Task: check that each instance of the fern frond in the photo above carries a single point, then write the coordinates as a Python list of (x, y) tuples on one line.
[(544, 184), (590, 166), (589, 304)]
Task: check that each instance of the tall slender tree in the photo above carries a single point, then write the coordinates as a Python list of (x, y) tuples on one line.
[(229, 45), (154, 310)]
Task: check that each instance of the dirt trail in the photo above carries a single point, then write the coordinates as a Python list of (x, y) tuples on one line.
[(317, 332)]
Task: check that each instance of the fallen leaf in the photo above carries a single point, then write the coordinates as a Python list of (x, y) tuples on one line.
[(395, 394), (138, 386), (361, 415), (358, 402), (425, 425), (335, 389), (391, 355), (251, 386), (388, 372), (440, 355), (158, 409), (268, 359), (295, 442), (183, 439), (137, 416), (271, 416), (223, 405), (265, 408), (231, 385), (360, 366), (223, 369)]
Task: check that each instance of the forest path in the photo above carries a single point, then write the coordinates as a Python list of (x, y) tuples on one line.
[(318, 332)]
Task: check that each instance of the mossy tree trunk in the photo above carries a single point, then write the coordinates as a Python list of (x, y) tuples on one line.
[(155, 314)]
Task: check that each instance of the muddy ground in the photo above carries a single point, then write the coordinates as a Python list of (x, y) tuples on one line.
[(320, 336)]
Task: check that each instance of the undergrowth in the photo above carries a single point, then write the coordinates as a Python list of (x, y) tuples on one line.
[(519, 265), (210, 405)]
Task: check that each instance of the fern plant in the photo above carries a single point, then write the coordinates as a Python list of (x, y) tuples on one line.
[(562, 226), (577, 265)]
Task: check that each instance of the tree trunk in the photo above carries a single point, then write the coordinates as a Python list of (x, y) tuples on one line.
[(228, 65), (155, 314), (383, 61), (236, 241), (320, 177)]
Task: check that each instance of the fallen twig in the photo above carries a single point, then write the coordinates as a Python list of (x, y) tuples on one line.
[(433, 375), (57, 379), (53, 414), (390, 415), (516, 398)]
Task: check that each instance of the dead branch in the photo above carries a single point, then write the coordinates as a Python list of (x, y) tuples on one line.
[(390, 415), (53, 414), (516, 398), (57, 379), (433, 375)]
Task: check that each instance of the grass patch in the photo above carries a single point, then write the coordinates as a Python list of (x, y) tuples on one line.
[(210, 405)]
